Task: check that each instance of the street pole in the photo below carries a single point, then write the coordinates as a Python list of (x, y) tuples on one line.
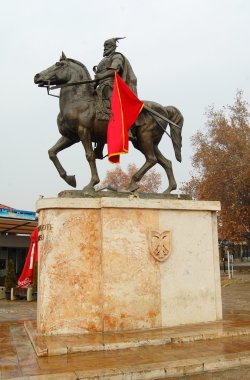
[(232, 263), (228, 263)]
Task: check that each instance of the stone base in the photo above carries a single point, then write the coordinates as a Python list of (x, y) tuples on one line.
[(112, 265), (68, 344)]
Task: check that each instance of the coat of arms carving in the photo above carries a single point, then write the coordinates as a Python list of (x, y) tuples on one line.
[(160, 245)]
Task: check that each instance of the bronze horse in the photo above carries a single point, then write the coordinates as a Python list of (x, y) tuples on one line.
[(77, 121)]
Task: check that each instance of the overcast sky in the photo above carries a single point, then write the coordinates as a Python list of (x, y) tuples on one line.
[(186, 53)]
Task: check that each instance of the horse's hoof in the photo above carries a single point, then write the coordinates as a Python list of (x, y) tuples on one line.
[(88, 189), (169, 189), (132, 188), (71, 180)]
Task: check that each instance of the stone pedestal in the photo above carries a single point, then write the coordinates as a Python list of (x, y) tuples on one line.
[(121, 264)]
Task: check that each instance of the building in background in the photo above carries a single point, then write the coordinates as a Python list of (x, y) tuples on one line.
[(15, 229)]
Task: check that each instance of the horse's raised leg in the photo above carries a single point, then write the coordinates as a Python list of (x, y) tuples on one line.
[(147, 148), (85, 138), (61, 144), (167, 166)]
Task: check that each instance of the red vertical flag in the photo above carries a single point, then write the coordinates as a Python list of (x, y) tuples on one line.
[(125, 108), (27, 274)]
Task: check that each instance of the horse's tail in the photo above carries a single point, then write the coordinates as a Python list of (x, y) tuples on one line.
[(176, 117)]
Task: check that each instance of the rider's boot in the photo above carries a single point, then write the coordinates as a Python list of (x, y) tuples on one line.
[(99, 151)]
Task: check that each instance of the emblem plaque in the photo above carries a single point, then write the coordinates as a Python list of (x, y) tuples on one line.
[(160, 245)]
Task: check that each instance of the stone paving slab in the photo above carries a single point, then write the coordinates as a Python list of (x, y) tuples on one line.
[(161, 370), (239, 373)]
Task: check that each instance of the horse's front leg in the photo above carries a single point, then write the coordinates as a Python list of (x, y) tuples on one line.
[(61, 144), (85, 137)]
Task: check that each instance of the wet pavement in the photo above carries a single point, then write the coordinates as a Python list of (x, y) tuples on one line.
[(17, 311), (221, 358)]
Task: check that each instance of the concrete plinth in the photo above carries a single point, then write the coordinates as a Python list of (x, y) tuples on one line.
[(112, 264)]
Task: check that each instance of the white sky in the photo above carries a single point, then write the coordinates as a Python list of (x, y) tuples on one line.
[(186, 53)]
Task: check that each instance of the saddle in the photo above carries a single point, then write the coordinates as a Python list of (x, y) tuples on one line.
[(103, 106)]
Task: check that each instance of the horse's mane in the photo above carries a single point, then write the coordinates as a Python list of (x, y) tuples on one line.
[(82, 65)]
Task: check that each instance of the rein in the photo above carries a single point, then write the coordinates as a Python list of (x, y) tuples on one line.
[(51, 88), (161, 117), (158, 123)]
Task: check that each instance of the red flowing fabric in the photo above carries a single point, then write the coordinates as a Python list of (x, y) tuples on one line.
[(125, 108), (26, 277)]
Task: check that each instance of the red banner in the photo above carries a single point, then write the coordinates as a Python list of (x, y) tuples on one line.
[(26, 277), (125, 108)]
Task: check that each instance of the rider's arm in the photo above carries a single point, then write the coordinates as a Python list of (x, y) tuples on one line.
[(116, 65), (106, 74)]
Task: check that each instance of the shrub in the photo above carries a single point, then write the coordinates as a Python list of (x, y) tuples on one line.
[(10, 278)]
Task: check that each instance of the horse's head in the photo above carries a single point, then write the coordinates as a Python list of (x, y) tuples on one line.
[(59, 73)]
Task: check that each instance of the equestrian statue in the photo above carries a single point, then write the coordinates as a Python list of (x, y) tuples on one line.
[(85, 113)]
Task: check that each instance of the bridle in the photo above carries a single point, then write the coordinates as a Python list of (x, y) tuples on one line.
[(50, 87)]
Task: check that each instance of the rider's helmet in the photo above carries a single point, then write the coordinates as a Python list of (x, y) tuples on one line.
[(113, 41)]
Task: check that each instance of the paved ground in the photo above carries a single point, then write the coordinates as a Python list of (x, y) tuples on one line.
[(18, 359), (17, 311), (231, 374)]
